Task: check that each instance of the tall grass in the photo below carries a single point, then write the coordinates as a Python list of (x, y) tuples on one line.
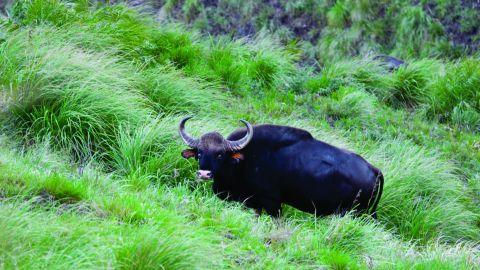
[(455, 95), (348, 102), (124, 31), (415, 30), (358, 73), (37, 239), (422, 197), (75, 97), (38, 11), (410, 82), (171, 91), (445, 91), (147, 151)]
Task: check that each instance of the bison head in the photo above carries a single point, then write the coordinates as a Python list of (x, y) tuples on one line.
[(212, 151)]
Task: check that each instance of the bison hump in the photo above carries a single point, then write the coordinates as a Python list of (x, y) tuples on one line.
[(273, 135)]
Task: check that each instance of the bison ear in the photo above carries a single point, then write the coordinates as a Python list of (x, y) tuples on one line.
[(237, 157), (188, 153)]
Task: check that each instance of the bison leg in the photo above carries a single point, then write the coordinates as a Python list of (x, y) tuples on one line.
[(272, 208)]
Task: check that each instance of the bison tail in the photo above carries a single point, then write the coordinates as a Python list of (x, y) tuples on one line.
[(378, 191)]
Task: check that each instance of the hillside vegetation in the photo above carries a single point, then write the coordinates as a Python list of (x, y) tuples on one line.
[(326, 31), (91, 175)]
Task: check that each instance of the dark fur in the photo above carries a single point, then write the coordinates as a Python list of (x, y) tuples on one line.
[(390, 62), (287, 165)]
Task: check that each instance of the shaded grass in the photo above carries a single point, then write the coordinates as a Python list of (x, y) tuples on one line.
[(334, 30), (416, 32)]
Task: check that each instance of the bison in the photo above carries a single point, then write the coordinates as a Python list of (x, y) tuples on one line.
[(264, 166)]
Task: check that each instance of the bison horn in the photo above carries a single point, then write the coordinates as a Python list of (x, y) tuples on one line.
[(189, 140), (241, 143)]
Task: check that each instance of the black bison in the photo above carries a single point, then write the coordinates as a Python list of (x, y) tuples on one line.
[(264, 166)]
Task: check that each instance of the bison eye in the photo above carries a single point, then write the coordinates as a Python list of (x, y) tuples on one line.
[(219, 156), (199, 155)]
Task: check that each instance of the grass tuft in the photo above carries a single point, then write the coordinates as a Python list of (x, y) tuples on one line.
[(150, 249), (457, 88), (64, 190), (41, 11), (409, 84)]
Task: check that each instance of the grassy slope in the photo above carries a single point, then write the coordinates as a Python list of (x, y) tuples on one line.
[(329, 30), (91, 175)]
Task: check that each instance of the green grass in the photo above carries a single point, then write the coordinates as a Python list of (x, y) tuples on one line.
[(456, 95), (60, 239), (90, 169), (409, 84), (64, 92)]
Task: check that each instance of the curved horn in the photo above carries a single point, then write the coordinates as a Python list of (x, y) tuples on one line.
[(189, 140), (241, 143)]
